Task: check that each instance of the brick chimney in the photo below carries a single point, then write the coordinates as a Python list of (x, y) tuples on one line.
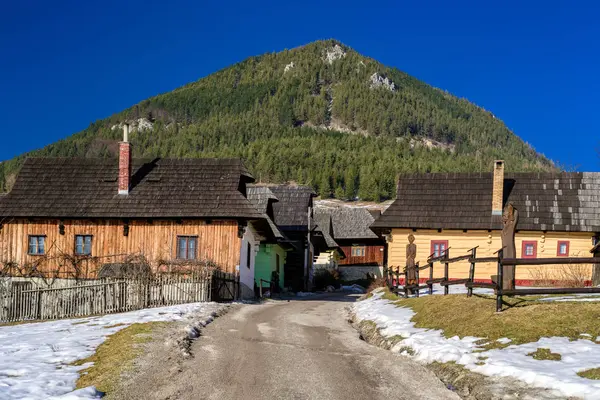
[(498, 188), (124, 161)]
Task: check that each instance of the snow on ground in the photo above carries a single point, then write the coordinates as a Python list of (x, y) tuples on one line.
[(36, 358), (430, 345)]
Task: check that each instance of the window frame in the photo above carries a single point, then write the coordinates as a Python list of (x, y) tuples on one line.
[(524, 245), (438, 242), (187, 239), (355, 249), (84, 254), (567, 243), (37, 244)]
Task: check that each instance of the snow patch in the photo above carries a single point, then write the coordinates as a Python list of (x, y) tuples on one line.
[(334, 53), (430, 345), (378, 81), (36, 359)]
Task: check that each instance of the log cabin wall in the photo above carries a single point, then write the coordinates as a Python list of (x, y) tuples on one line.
[(460, 242), (374, 253), (157, 240)]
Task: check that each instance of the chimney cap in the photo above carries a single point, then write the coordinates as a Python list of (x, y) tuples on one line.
[(125, 132)]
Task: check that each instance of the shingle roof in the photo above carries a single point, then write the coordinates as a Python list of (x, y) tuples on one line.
[(161, 188), (324, 226), (260, 197), (291, 212), (545, 201)]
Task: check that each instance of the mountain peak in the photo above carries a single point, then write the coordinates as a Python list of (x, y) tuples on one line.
[(320, 114)]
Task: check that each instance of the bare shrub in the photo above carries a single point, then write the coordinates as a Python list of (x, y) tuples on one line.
[(566, 275), (377, 283)]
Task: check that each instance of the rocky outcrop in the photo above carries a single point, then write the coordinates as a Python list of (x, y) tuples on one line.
[(288, 67), (378, 81), (334, 53), (140, 124)]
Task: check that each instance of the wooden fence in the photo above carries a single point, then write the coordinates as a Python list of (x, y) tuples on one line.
[(393, 277), (21, 300)]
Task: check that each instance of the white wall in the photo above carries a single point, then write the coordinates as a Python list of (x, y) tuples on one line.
[(247, 274)]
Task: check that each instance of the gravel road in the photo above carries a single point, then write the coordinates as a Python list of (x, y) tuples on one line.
[(301, 349)]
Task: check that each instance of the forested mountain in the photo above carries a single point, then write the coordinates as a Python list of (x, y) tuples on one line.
[(320, 114)]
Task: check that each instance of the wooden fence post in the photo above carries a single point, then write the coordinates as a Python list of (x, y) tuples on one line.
[(499, 282), (446, 267), (430, 278), (472, 271), (417, 277)]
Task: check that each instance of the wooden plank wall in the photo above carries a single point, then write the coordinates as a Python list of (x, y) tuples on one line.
[(156, 240), (489, 242), (373, 255)]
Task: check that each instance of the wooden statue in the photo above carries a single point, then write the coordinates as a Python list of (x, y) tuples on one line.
[(510, 218), (411, 254)]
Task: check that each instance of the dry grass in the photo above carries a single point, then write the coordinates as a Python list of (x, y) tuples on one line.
[(545, 354), (593, 373), (115, 356), (523, 322), (377, 283)]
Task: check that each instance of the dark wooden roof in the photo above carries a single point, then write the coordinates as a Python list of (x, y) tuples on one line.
[(291, 211), (545, 201), (161, 188), (261, 197), (324, 226), (348, 222)]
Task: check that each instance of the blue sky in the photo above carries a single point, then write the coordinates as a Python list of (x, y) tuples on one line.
[(535, 65)]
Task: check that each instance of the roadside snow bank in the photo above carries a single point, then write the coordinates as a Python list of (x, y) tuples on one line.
[(430, 345), (36, 358)]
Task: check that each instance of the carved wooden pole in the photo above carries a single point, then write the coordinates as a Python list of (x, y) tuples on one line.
[(510, 218)]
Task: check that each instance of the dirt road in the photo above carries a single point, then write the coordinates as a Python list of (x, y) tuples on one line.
[(286, 350)]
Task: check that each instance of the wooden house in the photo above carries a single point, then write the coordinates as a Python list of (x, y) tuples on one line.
[(293, 215), (559, 216), (173, 212), (363, 251), (272, 251)]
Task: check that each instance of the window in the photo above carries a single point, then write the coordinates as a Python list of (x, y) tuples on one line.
[(248, 254), (37, 245), (83, 245), (562, 248), (277, 263), (358, 251), (529, 249), (438, 247), (186, 247)]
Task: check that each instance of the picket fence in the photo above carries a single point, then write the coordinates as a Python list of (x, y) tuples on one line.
[(24, 300)]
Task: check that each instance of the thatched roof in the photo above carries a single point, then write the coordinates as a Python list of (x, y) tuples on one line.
[(161, 188), (545, 201)]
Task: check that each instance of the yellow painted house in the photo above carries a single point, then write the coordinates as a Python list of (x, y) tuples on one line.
[(559, 216)]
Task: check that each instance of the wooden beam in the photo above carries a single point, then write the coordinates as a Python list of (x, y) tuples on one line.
[(454, 282), (550, 261), (526, 292)]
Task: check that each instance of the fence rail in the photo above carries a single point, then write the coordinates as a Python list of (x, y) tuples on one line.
[(393, 277), (20, 300)]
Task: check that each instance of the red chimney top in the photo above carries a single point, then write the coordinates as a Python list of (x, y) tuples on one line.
[(124, 162)]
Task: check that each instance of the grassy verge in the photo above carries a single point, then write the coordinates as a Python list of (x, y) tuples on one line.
[(115, 356), (523, 321), (593, 373)]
